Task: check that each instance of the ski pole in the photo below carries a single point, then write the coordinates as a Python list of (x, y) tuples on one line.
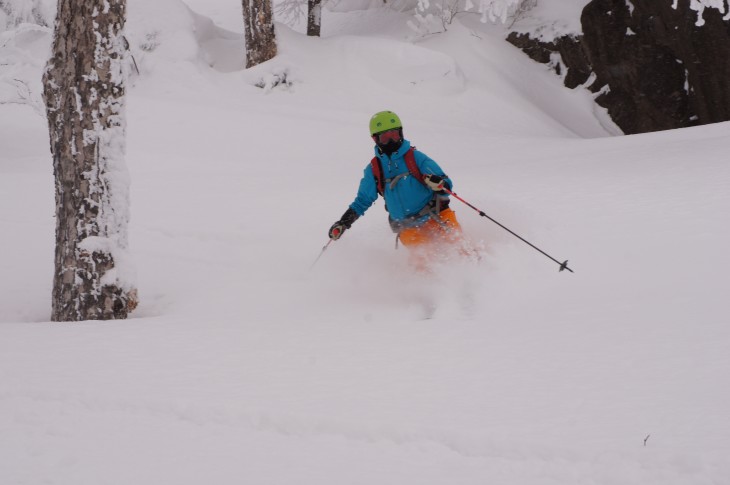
[(321, 253), (563, 265)]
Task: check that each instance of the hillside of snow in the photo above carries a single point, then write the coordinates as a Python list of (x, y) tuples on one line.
[(245, 364)]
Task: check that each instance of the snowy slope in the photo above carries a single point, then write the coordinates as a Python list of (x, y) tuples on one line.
[(550, 19), (243, 365)]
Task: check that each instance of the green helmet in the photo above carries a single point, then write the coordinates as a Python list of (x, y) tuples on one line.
[(385, 120)]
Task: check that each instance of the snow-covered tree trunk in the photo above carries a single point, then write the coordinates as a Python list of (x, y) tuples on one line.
[(314, 18), (259, 31), (84, 96)]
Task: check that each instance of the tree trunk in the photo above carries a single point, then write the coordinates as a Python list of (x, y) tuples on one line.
[(314, 19), (259, 31), (84, 97)]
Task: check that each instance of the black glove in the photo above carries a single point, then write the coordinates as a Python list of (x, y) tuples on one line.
[(434, 182), (337, 230), (339, 227)]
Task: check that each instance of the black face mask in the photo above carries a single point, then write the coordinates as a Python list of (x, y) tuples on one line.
[(391, 147)]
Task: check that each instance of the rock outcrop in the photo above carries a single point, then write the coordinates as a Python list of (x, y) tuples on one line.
[(653, 66)]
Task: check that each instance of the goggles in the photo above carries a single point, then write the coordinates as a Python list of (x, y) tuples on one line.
[(384, 137)]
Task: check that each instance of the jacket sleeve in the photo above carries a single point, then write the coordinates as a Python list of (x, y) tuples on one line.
[(429, 167), (367, 193)]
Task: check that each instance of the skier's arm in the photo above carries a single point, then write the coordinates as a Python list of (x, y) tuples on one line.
[(367, 193)]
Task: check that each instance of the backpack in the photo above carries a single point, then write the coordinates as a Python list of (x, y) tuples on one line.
[(413, 169)]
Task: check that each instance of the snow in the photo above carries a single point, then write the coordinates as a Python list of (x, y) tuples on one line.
[(700, 5), (550, 19), (242, 365)]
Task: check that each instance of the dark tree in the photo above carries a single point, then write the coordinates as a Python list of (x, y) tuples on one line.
[(259, 31), (84, 96), (314, 17)]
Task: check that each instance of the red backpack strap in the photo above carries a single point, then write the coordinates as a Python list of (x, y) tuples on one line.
[(412, 165), (378, 173)]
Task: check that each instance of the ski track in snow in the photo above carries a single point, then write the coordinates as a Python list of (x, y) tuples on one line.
[(58, 418)]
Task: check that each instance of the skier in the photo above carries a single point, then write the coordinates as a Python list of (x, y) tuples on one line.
[(412, 185)]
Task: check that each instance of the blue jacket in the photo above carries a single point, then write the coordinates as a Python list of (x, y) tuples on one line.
[(409, 195)]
